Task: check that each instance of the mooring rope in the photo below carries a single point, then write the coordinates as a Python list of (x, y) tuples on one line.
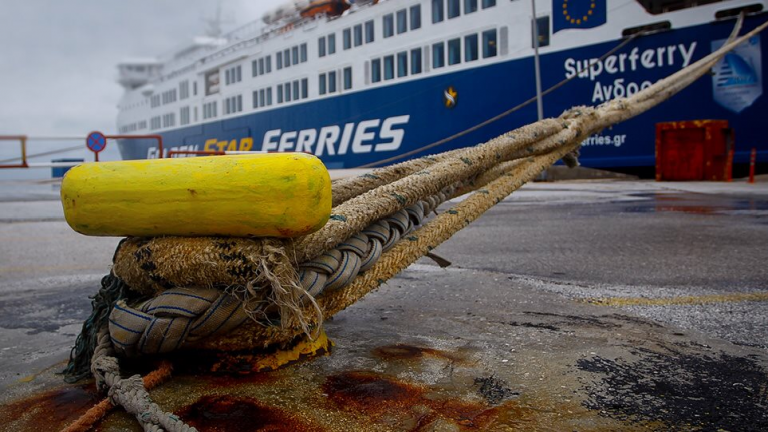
[(377, 229)]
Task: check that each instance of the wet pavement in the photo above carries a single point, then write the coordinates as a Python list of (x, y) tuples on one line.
[(601, 305)]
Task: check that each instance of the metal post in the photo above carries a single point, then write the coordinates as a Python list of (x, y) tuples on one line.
[(539, 102)]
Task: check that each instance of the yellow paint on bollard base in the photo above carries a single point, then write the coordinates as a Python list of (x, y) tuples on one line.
[(264, 195)]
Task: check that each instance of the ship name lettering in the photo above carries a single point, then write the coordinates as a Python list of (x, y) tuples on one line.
[(364, 137), (245, 144), (650, 58)]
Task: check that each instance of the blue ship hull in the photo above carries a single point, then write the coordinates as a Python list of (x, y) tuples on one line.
[(733, 94)]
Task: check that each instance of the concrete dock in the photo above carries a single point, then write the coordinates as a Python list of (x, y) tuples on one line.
[(580, 305)]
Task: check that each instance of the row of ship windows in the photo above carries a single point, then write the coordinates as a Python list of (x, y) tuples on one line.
[(453, 8), (287, 92), (384, 68), (133, 127), (170, 96), (365, 33), (398, 22), (471, 53)]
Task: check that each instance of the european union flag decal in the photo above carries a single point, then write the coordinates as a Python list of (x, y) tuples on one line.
[(582, 14)]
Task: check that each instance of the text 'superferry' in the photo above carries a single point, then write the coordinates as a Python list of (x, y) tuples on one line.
[(361, 83)]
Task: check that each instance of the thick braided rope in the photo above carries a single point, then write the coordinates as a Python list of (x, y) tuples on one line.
[(182, 315), (163, 323), (98, 411), (416, 245), (357, 213), (347, 188), (338, 267), (131, 394)]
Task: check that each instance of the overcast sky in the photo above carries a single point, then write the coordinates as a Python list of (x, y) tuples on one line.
[(58, 57)]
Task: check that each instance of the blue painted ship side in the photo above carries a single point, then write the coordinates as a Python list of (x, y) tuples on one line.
[(486, 91)]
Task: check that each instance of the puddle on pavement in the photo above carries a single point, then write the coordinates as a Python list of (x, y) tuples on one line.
[(696, 204)]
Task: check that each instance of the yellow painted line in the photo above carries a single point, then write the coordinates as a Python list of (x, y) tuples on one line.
[(685, 300), (27, 269)]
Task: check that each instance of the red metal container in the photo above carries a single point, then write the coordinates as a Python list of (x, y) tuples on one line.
[(694, 150)]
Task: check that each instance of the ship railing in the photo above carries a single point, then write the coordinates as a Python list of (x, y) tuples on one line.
[(23, 160), (242, 44)]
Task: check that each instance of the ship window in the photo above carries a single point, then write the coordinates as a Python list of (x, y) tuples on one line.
[(304, 88), (415, 61), (261, 66), (332, 82), (389, 25), (155, 101), (194, 88), (438, 55), (347, 78), (262, 97), (656, 7), (358, 35), (369, 32), (303, 51), (438, 11), (389, 67), (488, 3), (296, 90), (470, 48), (269, 64), (402, 21), (543, 27), (295, 52), (454, 51), (332, 43), (154, 123), (347, 36), (470, 6), (209, 110), (375, 70), (454, 8), (279, 60), (489, 43), (184, 116), (321, 46), (287, 57), (321, 84), (415, 17), (287, 90), (256, 98), (402, 64), (183, 89), (254, 68), (279, 91), (269, 96)]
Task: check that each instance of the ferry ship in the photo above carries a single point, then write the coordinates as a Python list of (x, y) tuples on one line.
[(368, 83)]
